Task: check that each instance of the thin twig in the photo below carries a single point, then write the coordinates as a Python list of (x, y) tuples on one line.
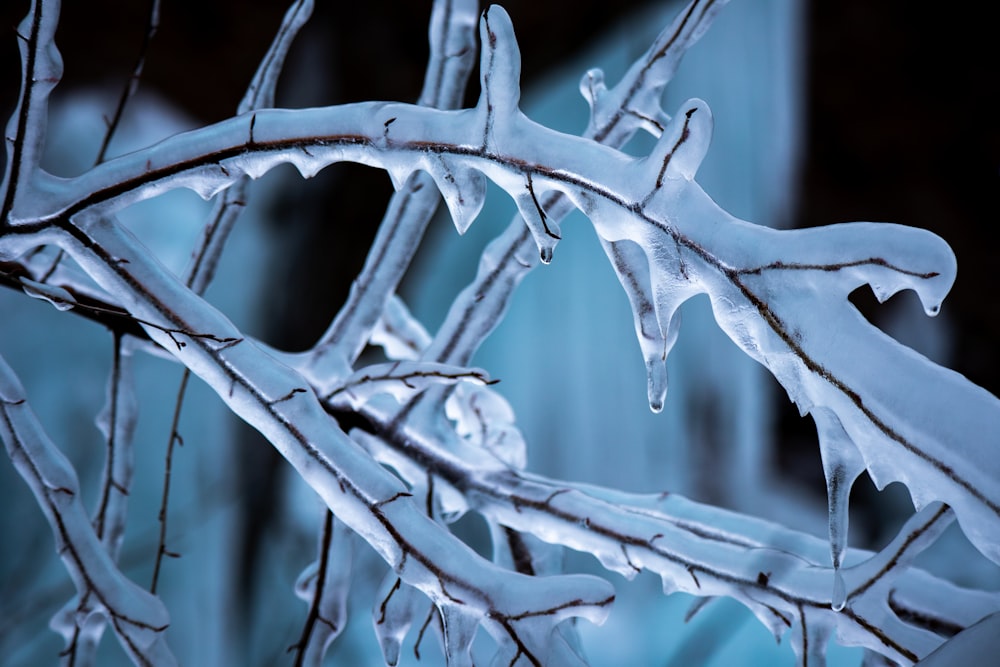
[(314, 615), (132, 84), (175, 438)]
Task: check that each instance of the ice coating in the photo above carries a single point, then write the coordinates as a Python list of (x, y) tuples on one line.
[(779, 574), (681, 148), (397, 607), (325, 585), (41, 71), (459, 630), (401, 379), (117, 422), (632, 269), (543, 230), (399, 333), (59, 297), (260, 94)]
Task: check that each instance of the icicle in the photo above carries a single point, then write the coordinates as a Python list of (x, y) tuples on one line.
[(839, 597), (668, 584), (397, 607), (667, 301), (399, 172), (544, 230), (463, 189), (459, 630), (632, 269), (842, 463)]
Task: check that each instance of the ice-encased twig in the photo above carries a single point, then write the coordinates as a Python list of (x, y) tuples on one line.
[(132, 83), (452, 54), (229, 204), (215, 232), (41, 70), (117, 422), (779, 574), (452, 48), (325, 585), (137, 617)]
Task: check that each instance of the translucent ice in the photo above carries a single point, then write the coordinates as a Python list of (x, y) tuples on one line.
[(57, 296)]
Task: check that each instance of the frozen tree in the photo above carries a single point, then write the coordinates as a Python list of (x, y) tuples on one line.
[(403, 445)]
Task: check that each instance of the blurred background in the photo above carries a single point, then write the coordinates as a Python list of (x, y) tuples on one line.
[(825, 112)]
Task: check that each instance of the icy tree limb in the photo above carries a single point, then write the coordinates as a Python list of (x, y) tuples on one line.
[(616, 115), (452, 49), (779, 574), (138, 618), (117, 422), (215, 233), (41, 70)]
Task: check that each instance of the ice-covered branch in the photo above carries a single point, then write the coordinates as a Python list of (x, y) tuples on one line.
[(117, 422), (325, 586), (41, 69), (780, 574), (138, 618), (616, 115)]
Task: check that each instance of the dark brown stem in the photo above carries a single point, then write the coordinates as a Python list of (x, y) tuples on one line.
[(175, 438), (324, 565), (133, 81)]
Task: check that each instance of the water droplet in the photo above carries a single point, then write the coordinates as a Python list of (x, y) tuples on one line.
[(839, 598), (656, 384)]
